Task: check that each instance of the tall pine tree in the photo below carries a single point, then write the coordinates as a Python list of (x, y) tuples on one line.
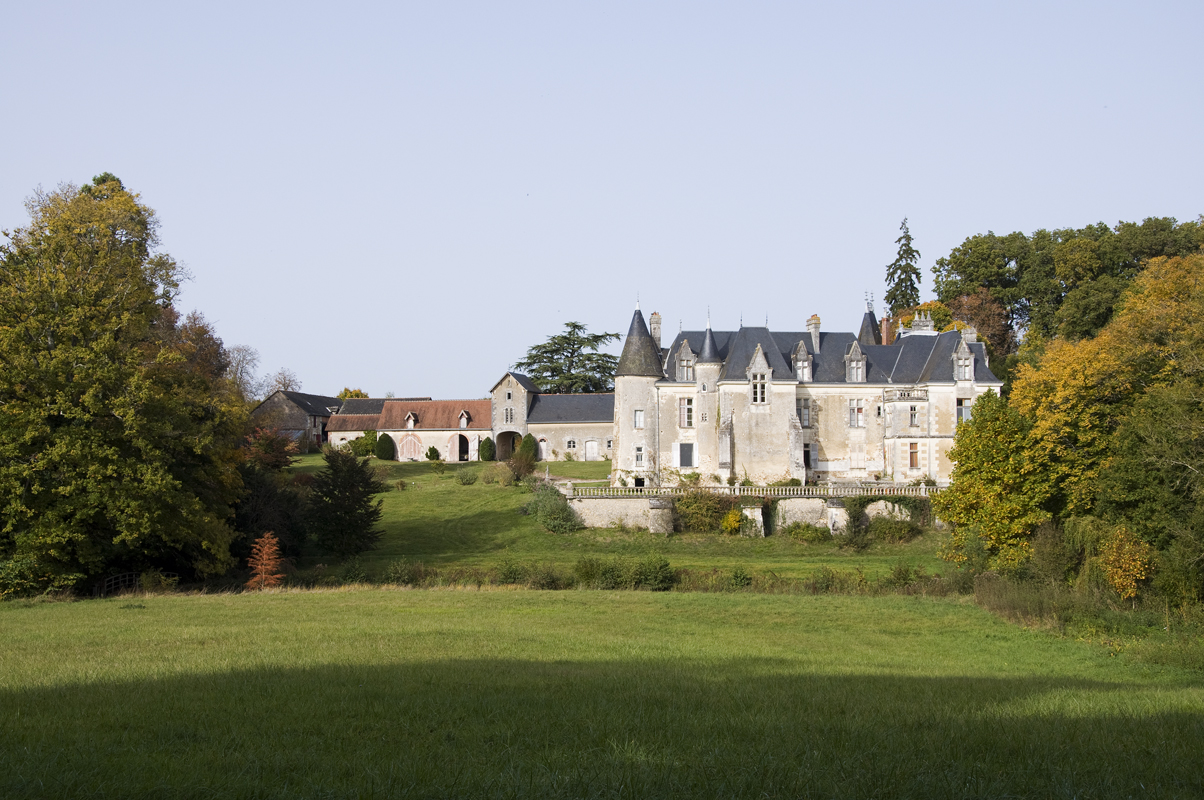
[(903, 275)]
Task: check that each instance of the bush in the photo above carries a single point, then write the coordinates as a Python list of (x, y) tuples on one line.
[(386, 448), (740, 579), (364, 445), (466, 477), (353, 572), (521, 464), (552, 510), (400, 485), (733, 521), (488, 450), (653, 573), (886, 529), (703, 512), (802, 532), (497, 473), (569, 455), (432, 454), (512, 572), (403, 573), (529, 447)]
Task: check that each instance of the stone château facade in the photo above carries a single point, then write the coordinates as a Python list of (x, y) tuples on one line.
[(766, 406)]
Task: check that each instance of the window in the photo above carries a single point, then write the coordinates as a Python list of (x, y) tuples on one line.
[(639, 456), (610, 443), (509, 395), (685, 412), (804, 413), (638, 420), (856, 371), (963, 411), (965, 368), (463, 421), (856, 413), (704, 388), (509, 415), (758, 387), (685, 369), (914, 416), (571, 444), (703, 415), (804, 371), (807, 456), (913, 456), (685, 455)]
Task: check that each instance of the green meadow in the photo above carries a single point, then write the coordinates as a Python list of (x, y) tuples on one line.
[(379, 692), (442, 523)]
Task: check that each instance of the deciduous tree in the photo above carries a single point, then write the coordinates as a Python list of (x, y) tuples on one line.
[(119, 431), (264, 562)]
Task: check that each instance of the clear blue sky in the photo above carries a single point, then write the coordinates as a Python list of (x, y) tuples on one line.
[(403, 197)]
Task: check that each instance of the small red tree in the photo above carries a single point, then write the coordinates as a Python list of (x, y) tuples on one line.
[(264, 561), (270, 448)]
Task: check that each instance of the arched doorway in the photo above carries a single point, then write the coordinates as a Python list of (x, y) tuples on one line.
[(543, 450), (461, 447), (507, 442)]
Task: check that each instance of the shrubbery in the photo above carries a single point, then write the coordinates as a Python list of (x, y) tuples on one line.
[(497, 473), (801, 531), (653, 573), (432, 454), (488, 450), (364, 445), (386, 448), (465, 476), (552, 510), (703, 512)]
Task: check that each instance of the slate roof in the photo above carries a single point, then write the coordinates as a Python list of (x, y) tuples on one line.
[(362, 405), (572, 408), (315, 404), (522, 379), (641, 355), (910, 360)]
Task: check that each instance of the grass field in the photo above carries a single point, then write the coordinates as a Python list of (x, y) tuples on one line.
[(402, 693), (442, 523)]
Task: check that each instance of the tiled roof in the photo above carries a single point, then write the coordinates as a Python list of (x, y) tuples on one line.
[(352, 422), (572, 408), (363, 405), (436, 414)]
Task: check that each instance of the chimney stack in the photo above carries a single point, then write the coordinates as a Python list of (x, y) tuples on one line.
[(654, 327), (813, 329)]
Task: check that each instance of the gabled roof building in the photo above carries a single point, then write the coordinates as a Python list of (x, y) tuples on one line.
[(769, 405)]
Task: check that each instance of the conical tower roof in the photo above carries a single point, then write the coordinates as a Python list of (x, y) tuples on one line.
[(870, 332), (709, 354), (640, 356)]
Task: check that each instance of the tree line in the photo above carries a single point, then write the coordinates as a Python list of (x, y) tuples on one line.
[(1096, 447), (125, 442)]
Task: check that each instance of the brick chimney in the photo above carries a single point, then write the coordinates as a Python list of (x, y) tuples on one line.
[(813, 329)]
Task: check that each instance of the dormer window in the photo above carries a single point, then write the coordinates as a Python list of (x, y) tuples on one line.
[(759, 387), (463, 419), (854, 365), (685, 369), (804, 371), (411, 419), (964, 370)]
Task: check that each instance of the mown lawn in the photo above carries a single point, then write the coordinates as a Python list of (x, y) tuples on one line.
[(440, 522), (404, 693)]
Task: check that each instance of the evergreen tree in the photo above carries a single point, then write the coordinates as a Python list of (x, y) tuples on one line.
[(344, 517), (903, 275), (570, 362)]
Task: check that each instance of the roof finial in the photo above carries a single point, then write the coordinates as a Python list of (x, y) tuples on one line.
[(766, 319), (708, 318), (741, 319), (637, 301)]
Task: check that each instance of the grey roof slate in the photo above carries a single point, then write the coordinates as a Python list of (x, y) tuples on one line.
[(641, 355), (709, 354), (572, 408), (870, 333), (316, 404), (910, 360), (362, 405)]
